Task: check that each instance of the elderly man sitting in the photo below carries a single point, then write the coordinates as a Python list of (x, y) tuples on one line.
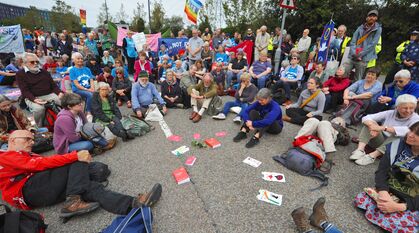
[(384, 127), (202, 94), (403, 84), (143, 94), (29, 181), (37, 87)]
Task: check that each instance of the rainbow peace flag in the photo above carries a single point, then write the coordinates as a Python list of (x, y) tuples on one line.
[(83, 16), (192, 8)]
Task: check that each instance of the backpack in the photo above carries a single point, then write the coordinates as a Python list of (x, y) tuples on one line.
[(343, 136), (21, 222), (216, 106), (42, 143), (51, 112), (279, 96), (138, 220), (313, 146), (92, 132), (135, 126), (99, 172), (300, 161), (354, 112)]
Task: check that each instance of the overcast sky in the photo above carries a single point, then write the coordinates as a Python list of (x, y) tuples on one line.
[(172, 7)]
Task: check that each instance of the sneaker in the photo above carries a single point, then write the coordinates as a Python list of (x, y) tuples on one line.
[(237, 120), (319, 213), (300, 220), (150, 198), (366, 160), (240, 136), (180, 106), (220, 116), (75, 206), (357, 154), (252, 142)]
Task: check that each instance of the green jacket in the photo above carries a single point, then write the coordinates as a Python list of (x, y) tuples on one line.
[(209, 92)]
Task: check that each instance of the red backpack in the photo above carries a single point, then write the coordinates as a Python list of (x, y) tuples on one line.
[(51, 112)]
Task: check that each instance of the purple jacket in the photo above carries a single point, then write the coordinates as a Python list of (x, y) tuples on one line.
[(65, 130)]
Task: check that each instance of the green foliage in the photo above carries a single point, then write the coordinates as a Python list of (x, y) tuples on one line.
[(138, 22), (121, 15), (62, 17), (174, 23), (157, 17), (104, 15), (204, 21)]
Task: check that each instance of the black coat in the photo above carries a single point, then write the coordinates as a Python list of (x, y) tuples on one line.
[(66, 48), (170, 91), (97, 111)]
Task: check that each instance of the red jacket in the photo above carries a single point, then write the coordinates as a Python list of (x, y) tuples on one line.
[(138, 68), (337, 84), (20, 163)]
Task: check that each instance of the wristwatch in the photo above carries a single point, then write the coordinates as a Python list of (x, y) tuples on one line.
[(385, 128)]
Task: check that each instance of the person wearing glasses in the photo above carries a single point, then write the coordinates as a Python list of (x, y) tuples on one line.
[(119, 63), (37, 87), (121, 86), (290, 78), (403, 84), (30, 181), (395, 205)]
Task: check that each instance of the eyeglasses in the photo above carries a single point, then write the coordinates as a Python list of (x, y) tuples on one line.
[(34, 62), (294, 58), (398, 81), (119, 73)]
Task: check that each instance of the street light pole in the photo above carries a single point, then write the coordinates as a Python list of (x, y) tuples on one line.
[(149, 17), (278, 50)]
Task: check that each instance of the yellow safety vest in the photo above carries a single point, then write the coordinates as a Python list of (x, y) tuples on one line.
[(344, 44), (271, 44), (400, 50), (372, 62)]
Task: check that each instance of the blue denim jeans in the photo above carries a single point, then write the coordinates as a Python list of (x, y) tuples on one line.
[(231, 75), (87, 96), (330, 229), (80, 145), (260, 82), (235, 103)]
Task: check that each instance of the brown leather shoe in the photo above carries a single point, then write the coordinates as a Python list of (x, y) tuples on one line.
[(197, 118), (193, 115), (286, 118), (150, 198), (75, 206), (300, 220), (319, 213), (111, 144)]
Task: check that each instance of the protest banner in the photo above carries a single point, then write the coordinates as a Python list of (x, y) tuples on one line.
[(11, 39), (174, 45)]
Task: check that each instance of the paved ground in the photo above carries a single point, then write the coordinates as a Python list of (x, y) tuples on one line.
[(222, 196)]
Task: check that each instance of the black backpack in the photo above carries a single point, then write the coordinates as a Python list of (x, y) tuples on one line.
[(21, 222), (99, 172), (296, 159)]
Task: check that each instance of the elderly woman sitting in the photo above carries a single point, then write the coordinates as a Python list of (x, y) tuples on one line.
[(171, 91), (403, 84), (105, 111), (121, 85), (334, 87), (393, 205), (262, 116), (82, 81), (67, 127), (260, 70), (367, 89), (384, 127), (107, 59), (310, 104)]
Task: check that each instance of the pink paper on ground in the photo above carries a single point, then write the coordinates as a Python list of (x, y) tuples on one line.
[(175, 138), (197, 136), (221, 134)]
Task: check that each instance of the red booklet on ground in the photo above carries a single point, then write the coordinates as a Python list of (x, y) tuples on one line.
[(212, 142), (181, 175), (190, 160)]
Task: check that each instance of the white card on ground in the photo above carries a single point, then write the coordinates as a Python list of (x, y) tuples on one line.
[(269, 197), (180, 151), (273, 176), (252, 162)]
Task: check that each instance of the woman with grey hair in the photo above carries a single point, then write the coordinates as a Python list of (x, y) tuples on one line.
[(262, 116), (384, 127), (403, 84), (106, 112)]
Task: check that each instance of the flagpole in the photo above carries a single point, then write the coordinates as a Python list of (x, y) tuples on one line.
[(278, 50)]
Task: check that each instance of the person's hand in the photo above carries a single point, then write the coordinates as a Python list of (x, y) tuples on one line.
[(60, 95), (288, 106), (309, 115), (375, 127), (346, 102), (164, 109), (384, 196), (112, 122), (325, 89), (139, 114), (84, 156), (384, 99), (91, 89), (39, 101), (374, 133), (193, 95), (249, 124), (390, 206), (283, 79)]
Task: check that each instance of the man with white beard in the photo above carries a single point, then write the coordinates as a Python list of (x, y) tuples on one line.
[(143, 94), (37, 87)]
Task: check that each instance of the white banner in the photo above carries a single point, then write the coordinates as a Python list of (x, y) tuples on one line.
[(11, 40), (139, 40)]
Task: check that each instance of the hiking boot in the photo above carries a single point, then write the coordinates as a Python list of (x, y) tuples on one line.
[(197, 118), (319, 215), (220, 116), (240, 136), (130, 135), (75, 206), (252, 142), (97, 151), (300, 220), (111, 144), (193, 115), (365, 160), (237, 120), (357, 154), (148, 199)]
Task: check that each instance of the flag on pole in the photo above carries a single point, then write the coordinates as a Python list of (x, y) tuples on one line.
[(83, 16), (192, 8), (325, 41), (246, 46), (113, 31)]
